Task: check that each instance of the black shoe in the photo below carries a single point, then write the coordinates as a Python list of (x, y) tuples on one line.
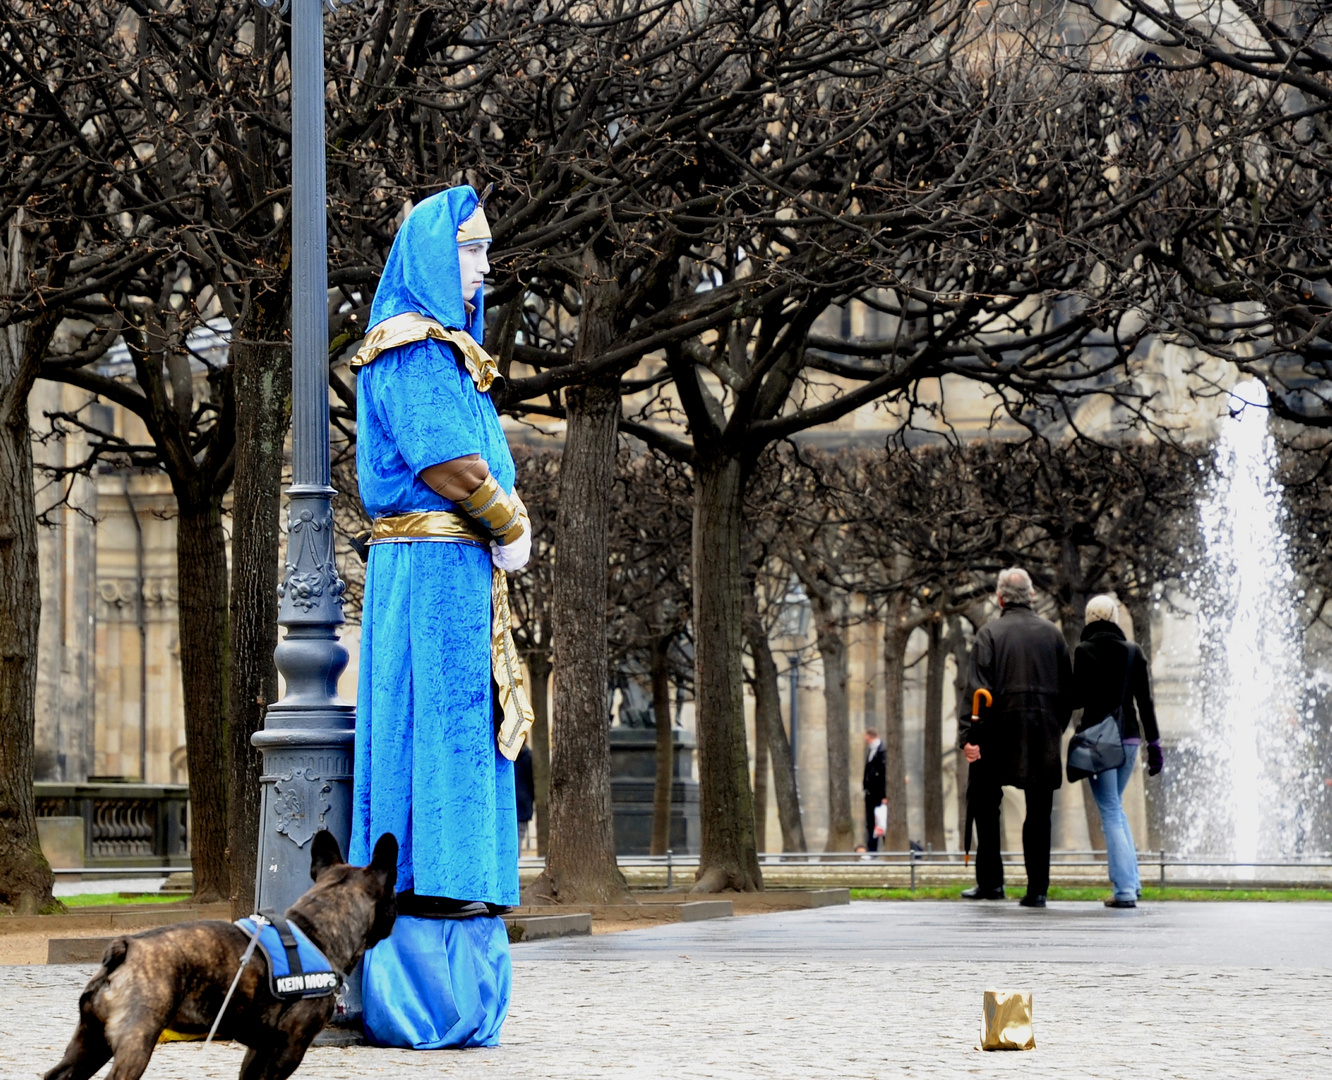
[(983, 894), (1033, 900), (1113, 902), (498, 909)]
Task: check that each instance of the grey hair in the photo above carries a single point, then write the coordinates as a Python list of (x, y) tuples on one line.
[(1015, 586), (1103, 608)]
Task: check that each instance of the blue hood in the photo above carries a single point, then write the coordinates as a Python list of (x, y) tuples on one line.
[(421, 273)]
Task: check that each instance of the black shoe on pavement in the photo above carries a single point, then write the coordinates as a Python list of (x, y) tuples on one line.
[(983, 894), (1033, 900), (1112, 902)]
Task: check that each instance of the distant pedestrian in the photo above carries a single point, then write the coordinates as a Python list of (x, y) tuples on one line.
[(1111, 673), (875, 783), (1022, 660), (524, 790)]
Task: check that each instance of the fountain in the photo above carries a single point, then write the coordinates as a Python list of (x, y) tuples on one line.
[(1247, 782)]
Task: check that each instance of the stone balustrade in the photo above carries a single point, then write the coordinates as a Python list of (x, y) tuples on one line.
[(121, 824)]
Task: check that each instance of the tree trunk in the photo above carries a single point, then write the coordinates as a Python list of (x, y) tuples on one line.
[(25, 876), (896, 633), (538, 667), (262, 379), (760, 780), (728, 859), (837, 722), (664, 784), (1140, 611), (580, 858), (768, 716), (1070, 593), (201, 571), (933, 741)]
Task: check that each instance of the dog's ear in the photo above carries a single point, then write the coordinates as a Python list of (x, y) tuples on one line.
[(385, 860), (324, 852)]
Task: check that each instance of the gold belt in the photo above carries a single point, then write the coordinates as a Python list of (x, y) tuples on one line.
[(449, 527)]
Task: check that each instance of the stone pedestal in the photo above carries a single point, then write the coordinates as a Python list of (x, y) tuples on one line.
[(633, 778), (62, 841)]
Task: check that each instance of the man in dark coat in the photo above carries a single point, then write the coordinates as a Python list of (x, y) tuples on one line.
[(875, 783), (1023, 661)]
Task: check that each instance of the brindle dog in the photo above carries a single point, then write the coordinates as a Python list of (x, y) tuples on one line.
[(176, 977)]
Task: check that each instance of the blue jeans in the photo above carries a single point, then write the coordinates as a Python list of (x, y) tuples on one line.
[(1107, 787)]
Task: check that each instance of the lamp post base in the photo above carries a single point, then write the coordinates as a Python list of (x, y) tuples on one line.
[(307, 786)]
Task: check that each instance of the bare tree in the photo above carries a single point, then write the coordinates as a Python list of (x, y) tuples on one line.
[(1231, 104), (757, 615), (649, 598), (43, 269), (25, 876), (181, 136), (703, 184), (815, 543)]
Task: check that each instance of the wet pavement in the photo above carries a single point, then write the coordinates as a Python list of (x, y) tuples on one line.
[(870, 990)]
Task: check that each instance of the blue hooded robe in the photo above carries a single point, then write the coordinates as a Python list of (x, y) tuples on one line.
[(427, 766)]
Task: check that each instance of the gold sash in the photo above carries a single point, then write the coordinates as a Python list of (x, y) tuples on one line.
[(449, 527), (410, 326)]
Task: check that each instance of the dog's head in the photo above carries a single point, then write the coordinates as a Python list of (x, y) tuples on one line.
[(349, 908)]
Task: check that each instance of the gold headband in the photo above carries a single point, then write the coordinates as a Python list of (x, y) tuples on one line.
[(476, 227)]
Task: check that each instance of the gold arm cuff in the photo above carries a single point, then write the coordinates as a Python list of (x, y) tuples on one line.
[(495, 511), (411, 326), (506, 670)]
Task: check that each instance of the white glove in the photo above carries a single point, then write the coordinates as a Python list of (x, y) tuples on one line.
[(512, 556)]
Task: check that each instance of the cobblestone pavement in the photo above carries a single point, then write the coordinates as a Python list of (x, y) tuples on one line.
[(874, 990)]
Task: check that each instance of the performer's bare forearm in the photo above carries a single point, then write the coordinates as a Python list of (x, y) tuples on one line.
[(456, 479)]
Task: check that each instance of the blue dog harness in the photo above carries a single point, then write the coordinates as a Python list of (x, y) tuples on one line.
[(296, 967)]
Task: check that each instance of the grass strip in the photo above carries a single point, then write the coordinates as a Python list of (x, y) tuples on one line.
[(86, 900), (1149, 893)]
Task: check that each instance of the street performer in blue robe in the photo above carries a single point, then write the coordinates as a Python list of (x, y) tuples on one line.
[(441, 710)]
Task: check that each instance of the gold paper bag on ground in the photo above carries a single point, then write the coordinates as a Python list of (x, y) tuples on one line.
[(1006, 1021)]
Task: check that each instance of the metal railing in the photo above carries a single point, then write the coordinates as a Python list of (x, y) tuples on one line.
[(671, 862), (1161, 861)]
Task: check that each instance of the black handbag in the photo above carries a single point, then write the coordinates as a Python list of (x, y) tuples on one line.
[(1100, 748)]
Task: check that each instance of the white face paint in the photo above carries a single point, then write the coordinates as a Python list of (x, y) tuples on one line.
[(473, 266)]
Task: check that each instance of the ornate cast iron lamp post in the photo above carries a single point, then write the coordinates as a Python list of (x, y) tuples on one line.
[(307, 737)]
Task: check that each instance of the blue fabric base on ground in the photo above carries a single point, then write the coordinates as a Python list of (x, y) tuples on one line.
[(438, 983)]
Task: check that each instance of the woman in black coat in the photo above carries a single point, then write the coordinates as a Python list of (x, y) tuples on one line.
[(1109, 673)]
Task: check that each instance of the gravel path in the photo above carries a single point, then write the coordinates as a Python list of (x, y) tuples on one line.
[(873, 990)]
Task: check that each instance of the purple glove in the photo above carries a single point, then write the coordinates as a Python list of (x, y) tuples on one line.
[(1155, 758)]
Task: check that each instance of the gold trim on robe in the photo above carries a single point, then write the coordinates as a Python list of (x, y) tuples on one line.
[(446, 526), (412, 326)]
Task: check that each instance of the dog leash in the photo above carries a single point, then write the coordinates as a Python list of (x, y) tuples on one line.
[(259, 923)]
